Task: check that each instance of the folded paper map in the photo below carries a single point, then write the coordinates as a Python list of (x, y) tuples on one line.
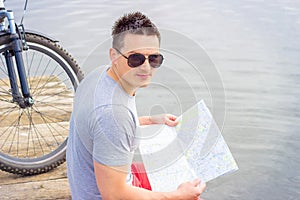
[(193, 149)]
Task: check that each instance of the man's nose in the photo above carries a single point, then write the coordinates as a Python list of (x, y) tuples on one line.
[(146, 65)]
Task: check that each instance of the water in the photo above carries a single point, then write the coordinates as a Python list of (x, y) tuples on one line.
[(255, 46)]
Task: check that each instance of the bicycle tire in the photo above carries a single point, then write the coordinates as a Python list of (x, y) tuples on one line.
[(33, 140)]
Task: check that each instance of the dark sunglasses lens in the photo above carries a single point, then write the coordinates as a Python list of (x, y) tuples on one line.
[(156, 60), (135, 60)]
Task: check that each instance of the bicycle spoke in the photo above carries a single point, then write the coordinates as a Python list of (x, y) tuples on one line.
[(8, 112), (11, 129), (31, 62), (31, 124), (16, 132), (30, 81), (7, 136), (48, 124), (50, 116), (5, 100), (36, 70), (67, 90), (5, 92), (39, 135), (28, 68), (3, 64), (48, 104), (41, 76), (4, 71), (49, 79), (55, 94), (28, 141), (29, 116), (5, 83)]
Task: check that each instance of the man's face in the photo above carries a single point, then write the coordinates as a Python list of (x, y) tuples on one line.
[(139, 76)]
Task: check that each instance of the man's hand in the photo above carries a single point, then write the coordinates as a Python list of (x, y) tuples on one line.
[(168, 119), (191, 190)]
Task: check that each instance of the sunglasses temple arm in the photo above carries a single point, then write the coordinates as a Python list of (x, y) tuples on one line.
[(121, 53)]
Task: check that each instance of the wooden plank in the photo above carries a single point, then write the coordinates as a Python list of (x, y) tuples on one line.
[(51, 185)]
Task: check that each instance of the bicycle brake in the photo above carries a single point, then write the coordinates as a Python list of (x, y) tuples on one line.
[(22, 36)]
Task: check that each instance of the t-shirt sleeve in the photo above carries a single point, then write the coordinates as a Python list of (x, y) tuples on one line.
[(113, 130)]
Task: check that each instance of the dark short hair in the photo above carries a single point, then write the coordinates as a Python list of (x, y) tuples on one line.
[(132, 23)]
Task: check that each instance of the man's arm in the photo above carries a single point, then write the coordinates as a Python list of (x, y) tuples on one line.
[(112, 185), (168, 119)]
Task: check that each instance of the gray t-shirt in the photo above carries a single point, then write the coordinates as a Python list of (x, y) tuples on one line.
[(103, 127)]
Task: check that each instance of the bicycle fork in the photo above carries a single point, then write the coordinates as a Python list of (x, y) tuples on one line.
[(24, 100)]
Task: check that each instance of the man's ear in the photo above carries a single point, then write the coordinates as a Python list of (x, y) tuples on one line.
[(113, 54)]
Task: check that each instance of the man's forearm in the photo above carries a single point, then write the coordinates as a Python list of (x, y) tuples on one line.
[(136, 193), (145, 120), (168, 119)]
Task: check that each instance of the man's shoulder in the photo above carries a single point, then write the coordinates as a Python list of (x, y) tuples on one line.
[(93, 76), (93, 90), (112, 111)]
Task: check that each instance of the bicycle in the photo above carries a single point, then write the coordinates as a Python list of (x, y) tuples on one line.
[(38, 79)]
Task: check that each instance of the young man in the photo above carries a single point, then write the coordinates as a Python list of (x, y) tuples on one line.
[(104, 123)]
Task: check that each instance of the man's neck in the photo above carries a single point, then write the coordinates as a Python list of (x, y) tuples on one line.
[(126, 87)]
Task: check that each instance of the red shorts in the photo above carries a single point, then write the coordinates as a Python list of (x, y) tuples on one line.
[(140, 178)]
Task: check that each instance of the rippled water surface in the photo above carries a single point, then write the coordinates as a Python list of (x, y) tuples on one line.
[(254, 47)]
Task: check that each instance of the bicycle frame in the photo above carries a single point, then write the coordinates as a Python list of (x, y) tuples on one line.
[(16, 51)]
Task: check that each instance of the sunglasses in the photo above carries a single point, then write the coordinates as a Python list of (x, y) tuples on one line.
[(137, 59)]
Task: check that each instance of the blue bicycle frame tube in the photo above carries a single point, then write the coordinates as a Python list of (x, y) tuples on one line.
[(12, 75), (17, 47)]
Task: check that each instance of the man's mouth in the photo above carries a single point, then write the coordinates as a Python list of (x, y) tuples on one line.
[(143, 76)]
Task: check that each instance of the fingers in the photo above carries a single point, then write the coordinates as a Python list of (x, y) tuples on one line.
[(171, 120), (202, 186), (196, 182), (171, 117), (168, 119), (171, 123), (191, 190)]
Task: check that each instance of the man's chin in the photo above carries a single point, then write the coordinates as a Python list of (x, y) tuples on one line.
[(144, 85)]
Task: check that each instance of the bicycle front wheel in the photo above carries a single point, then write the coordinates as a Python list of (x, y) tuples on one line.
[(33, 139)]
